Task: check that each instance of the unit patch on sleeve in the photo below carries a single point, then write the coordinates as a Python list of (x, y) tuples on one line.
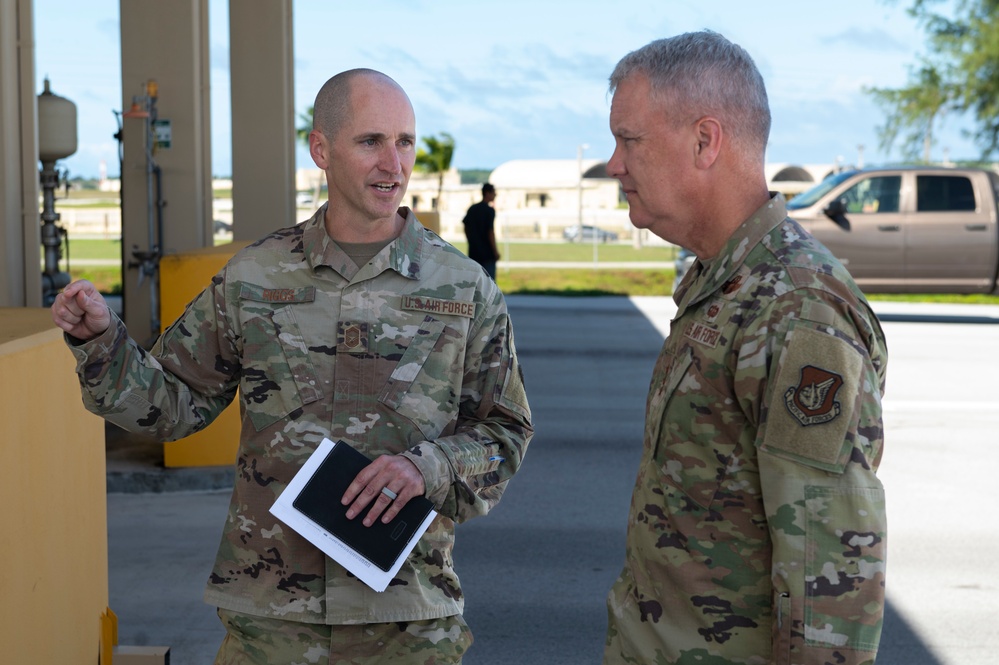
[(813, 400)]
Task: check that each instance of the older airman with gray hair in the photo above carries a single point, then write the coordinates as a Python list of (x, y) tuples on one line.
[(757, 526)]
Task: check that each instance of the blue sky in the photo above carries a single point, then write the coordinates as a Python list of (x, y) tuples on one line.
[(519, 79)]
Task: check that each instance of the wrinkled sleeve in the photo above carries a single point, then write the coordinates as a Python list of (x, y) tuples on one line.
[(820, 442), (467, 472), (175, 389)]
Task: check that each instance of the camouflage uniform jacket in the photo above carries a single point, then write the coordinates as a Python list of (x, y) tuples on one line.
[(411, 353), (757, 525)]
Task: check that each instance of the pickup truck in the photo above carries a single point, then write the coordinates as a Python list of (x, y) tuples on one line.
[(909, 230)]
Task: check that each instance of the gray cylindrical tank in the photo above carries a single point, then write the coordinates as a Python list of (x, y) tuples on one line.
[(56, 126)]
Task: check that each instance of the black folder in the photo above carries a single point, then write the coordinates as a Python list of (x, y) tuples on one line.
[(319, 500)]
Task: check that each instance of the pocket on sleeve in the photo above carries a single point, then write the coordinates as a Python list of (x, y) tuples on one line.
[(844, 566)]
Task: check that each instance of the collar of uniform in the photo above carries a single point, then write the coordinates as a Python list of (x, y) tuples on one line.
[(733, 253), (402, 254), (406, 251)]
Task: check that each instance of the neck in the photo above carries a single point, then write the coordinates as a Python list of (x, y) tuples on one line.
[(363, 231), (729, 214)]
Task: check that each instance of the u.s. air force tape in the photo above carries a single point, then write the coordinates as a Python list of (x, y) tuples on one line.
[(439, 306)]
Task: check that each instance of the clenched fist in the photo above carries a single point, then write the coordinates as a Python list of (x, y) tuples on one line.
[(81, 310)]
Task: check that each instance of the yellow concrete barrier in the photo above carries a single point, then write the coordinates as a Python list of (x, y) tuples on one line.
[(182, 277), (431, 220), (53, 500)]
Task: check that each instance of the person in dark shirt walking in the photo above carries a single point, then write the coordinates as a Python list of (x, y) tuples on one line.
[(479, 231)]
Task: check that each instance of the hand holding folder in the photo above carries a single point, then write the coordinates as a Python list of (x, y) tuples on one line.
[(311, 505)]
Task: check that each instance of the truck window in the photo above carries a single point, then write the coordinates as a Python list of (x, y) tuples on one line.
[(811, 196), (878, 194), (938, 193)]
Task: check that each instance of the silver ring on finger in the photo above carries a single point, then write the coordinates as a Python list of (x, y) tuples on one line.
[(389, 493)]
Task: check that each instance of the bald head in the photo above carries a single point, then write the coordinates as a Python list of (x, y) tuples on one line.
[(333, 103)]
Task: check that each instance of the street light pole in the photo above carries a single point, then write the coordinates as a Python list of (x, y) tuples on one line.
[(579, 169)]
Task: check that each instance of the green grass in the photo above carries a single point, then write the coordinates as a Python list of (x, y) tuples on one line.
[(87, 248), (107, 280), (585, 282), (541, 281), (570, 252), (952, 298)]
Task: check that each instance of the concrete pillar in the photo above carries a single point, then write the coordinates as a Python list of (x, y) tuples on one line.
[(20, 223), (164, 42), (261, 66)]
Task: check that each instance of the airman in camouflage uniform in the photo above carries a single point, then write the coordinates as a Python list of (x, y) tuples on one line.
[(757, 525), (406, 353)]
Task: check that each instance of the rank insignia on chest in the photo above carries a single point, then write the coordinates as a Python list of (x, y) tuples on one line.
[(712, 311), (813, 400), (732, 285), (351, 337)]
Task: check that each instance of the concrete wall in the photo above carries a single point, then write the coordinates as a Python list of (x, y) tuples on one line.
[(166, 43), (185, 276), (20, 223), (261, 63)]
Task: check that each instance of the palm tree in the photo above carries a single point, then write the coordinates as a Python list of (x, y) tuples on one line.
[(302, 134), (436, 158)]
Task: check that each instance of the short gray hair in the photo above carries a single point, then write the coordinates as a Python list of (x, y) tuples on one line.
[(332, 108), (704, 73)]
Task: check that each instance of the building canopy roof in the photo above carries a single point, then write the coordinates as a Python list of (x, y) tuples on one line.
[(560, 173), (781, 172), (531, 173)]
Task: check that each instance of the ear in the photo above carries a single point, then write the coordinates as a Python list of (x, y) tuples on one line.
[(319, 149), (708, 134)]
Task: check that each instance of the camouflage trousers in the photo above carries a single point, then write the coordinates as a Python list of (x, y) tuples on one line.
[(252, 640)]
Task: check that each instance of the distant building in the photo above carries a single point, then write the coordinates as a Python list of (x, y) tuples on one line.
[(556, 184), (791, 179), (539, 198)]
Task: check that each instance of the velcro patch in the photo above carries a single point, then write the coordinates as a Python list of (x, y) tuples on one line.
[(713, 309), (439, 306), (264, 294), (351, 337), (702, 334), (815, 393), (813, 400)]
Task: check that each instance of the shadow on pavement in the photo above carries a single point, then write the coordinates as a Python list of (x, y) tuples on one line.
[(537, 570), (937, 318)]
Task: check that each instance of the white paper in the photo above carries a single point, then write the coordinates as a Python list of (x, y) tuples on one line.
[(335, 548)]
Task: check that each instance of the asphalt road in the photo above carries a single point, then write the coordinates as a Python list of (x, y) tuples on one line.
[(536, 571)]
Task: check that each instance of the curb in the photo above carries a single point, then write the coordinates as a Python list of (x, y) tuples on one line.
[(202, 479)]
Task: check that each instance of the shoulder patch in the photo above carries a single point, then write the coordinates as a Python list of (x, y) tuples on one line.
[(813, 399)]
